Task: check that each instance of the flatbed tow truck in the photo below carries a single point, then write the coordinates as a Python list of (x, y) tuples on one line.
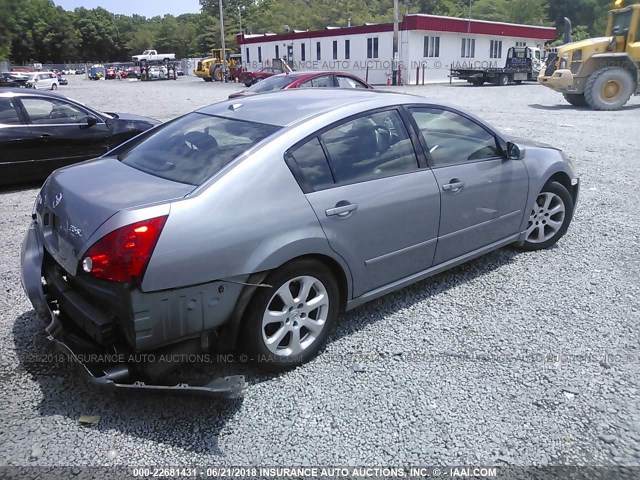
[(523, 64)]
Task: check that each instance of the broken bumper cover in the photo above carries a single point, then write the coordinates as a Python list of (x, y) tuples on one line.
[(113, 375)]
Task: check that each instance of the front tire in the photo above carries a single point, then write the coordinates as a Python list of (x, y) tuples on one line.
[(576, 99), (609, 88), (550, 217), (503, 80), (286, 324), (54, 86)]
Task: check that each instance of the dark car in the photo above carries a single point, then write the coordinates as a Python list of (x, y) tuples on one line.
[(42, 131), (287, 81), (13, 79), (254, 76), (62, 80)]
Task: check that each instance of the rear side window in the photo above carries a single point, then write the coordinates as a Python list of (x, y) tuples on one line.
[(313, 164), (8, 112), (195, 147), (369, 147)]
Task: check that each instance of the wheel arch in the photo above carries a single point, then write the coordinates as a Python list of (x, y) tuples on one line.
[(563, 179), (602, 61), (228, 338)]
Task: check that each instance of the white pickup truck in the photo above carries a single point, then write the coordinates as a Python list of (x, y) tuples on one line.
[(149, 55)]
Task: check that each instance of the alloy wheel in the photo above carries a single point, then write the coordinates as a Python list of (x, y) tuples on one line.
[(295, 316), (546, 218)]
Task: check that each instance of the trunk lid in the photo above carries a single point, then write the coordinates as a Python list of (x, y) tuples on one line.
[(76, 200)]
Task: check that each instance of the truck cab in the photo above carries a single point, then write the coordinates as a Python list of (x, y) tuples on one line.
[(601, 73)]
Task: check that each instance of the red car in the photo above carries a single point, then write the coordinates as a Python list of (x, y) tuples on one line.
[(254, 76), (286, 81)]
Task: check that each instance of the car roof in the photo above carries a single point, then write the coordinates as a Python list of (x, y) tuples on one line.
[(21, 92), (286, 107)]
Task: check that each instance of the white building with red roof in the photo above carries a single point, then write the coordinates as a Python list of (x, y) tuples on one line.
[(428, 46)]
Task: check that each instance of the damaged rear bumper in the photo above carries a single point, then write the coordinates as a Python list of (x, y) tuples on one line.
[(114, 376)]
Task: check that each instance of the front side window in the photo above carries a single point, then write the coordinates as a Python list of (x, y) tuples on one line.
[(452, 138), (371, 146), (324, 81), (45, 111), (195, 147)]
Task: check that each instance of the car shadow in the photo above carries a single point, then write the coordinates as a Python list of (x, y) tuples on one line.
[(197, 424), (190, 422), (568, 106)]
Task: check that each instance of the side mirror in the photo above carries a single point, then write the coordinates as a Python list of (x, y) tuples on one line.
[(88, 122), (514, 152)]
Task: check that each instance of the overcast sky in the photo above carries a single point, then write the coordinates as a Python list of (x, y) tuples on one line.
[(148, 8)]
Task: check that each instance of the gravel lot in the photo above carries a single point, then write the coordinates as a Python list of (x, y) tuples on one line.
[(515, 358)]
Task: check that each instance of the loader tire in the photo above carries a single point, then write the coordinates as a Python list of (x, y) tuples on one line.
[(609, 88)]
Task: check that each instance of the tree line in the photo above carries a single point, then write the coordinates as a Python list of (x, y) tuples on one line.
[(38, 30)]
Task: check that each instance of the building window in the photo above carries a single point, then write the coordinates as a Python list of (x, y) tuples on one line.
[(521, 44), (277, 51), (431, 47), (248, 59), (302, 53), (372, 47), (335, 49), (347, 49), (318, 51), (468, 49), (495, 50), (259, 54)]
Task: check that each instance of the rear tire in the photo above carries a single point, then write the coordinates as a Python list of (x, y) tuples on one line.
[(518, 82), (609, 88), (549, 218), (477, 83), (54, 86), (286, 324), (576, 99)]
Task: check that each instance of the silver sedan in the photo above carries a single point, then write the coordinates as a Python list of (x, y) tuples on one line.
[(250, 224)]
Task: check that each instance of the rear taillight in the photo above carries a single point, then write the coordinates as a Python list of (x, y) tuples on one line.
[(123, 255)]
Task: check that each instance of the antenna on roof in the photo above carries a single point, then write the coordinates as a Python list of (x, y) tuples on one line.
[(287, 28)]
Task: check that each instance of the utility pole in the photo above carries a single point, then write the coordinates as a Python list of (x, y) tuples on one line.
[(394, 62), (224, 50)]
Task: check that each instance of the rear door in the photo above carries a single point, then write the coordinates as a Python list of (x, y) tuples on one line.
[(61, 133), (378, 208), (483, 193), (16, 142)]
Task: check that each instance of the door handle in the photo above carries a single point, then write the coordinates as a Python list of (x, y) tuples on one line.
[(454, 186), (342, 210)]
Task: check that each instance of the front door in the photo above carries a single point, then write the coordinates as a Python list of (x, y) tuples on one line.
[(378, 209), (62, 132), (483, 194)]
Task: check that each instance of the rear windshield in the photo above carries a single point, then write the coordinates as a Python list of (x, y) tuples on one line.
[(270, 84), (194, 147)]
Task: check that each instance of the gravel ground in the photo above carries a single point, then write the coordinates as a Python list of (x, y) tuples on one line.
[(515, 358)]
